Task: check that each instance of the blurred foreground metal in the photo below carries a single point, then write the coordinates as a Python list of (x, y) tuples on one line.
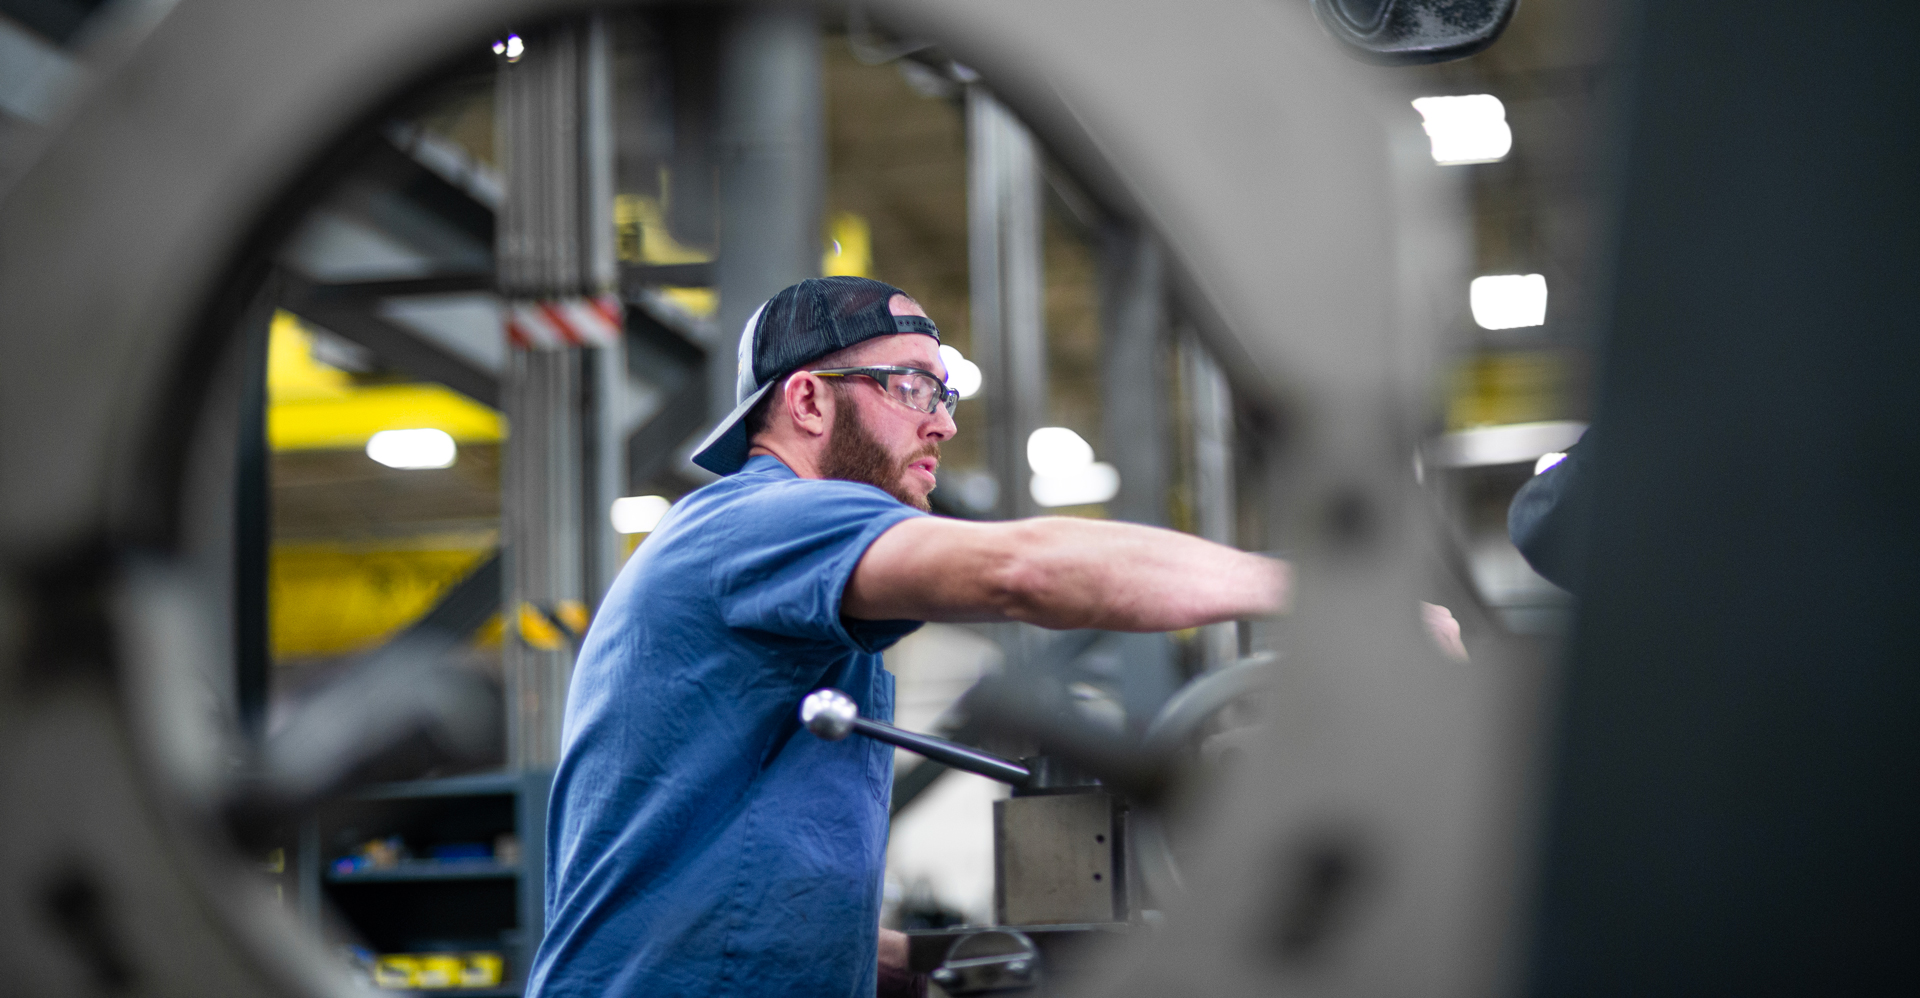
[(1376, 843), (1304, 226)]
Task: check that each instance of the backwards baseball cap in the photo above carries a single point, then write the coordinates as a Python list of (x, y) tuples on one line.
[(800, 324)]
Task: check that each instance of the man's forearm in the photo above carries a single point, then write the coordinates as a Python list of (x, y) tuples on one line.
[(1074, 573), (1062, 573)]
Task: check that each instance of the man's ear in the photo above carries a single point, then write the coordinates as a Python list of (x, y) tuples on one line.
[(807, 403)]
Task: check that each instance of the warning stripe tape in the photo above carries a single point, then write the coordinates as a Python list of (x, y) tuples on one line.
[(558, 323), (552, 630)]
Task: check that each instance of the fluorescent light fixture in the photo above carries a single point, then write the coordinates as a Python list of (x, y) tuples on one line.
[(963, 375), (1056, 450), (1096, 482), (1064, 471), (1508, 301), (638, 514), (1548, 460), (1469, 129), (412, 450), (1513, 443)]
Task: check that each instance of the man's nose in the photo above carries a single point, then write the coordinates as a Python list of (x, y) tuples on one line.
[(941, 426)]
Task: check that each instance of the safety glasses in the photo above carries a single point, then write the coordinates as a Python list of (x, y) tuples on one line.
[(910, 386)]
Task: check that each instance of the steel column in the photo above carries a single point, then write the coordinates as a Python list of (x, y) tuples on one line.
[(1134, 350), (1008, 289), (773, 172), (1210, 413), (1133, 354)]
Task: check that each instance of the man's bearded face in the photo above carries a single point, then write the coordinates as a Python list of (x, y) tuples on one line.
[(854, 454)]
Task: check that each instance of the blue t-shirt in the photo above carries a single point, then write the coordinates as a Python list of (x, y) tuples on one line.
[(696, 845)]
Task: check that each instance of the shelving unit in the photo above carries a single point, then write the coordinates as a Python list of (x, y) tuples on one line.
[(423, 905)]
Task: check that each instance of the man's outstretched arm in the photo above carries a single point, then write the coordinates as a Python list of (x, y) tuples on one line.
[(1060, 572)]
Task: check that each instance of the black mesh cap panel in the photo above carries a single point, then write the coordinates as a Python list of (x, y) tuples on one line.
[(822, 314)]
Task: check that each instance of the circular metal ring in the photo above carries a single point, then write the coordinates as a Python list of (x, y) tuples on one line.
[(1308, 240)]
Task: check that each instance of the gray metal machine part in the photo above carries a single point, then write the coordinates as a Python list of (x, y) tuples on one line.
[(994, 960), (1060, 858), (1407, 32), (1377, 839)]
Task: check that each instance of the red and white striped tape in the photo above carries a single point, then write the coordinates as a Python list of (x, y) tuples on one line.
[(556, 323)]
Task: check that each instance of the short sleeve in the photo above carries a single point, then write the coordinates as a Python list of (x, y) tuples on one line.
[(788, 552)]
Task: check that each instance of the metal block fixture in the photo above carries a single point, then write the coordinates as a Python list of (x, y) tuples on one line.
[(1060, 859)]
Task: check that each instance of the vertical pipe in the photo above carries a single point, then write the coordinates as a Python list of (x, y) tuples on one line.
[(606, 455), (1211, 402), (541, 523), (1008, 287), (1023, 290), (1134, 340), (555, 239), (690, 48), (1007, 291), (603, 370), (984, 297), (599, 264), (773, 171)]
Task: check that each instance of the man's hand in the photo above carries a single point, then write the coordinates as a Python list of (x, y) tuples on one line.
[(896, 981), (1444, 630), (1063, 573)]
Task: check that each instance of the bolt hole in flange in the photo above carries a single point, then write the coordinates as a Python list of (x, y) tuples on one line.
[(79, 912), (1321, 878), (1349, 518)]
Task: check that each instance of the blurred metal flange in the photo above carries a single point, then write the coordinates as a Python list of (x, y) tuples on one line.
[(1373, 842)]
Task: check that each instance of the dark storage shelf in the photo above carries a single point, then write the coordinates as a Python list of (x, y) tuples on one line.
[(426, 905), (469, 785), (417, 871)]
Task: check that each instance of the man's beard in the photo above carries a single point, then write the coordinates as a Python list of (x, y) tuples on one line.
[(855, 456)]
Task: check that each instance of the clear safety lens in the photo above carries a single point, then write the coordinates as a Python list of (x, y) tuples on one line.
[(919, 391)]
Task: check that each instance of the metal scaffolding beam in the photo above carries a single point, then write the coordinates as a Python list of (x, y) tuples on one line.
[(670, 351), (350, 311)]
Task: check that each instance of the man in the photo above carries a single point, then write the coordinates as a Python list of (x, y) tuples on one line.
[(696, 847)]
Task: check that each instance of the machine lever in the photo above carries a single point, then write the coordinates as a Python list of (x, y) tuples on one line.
[(832, 715)]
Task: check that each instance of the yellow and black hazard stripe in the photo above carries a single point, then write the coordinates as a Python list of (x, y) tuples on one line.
[(552, 629)]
